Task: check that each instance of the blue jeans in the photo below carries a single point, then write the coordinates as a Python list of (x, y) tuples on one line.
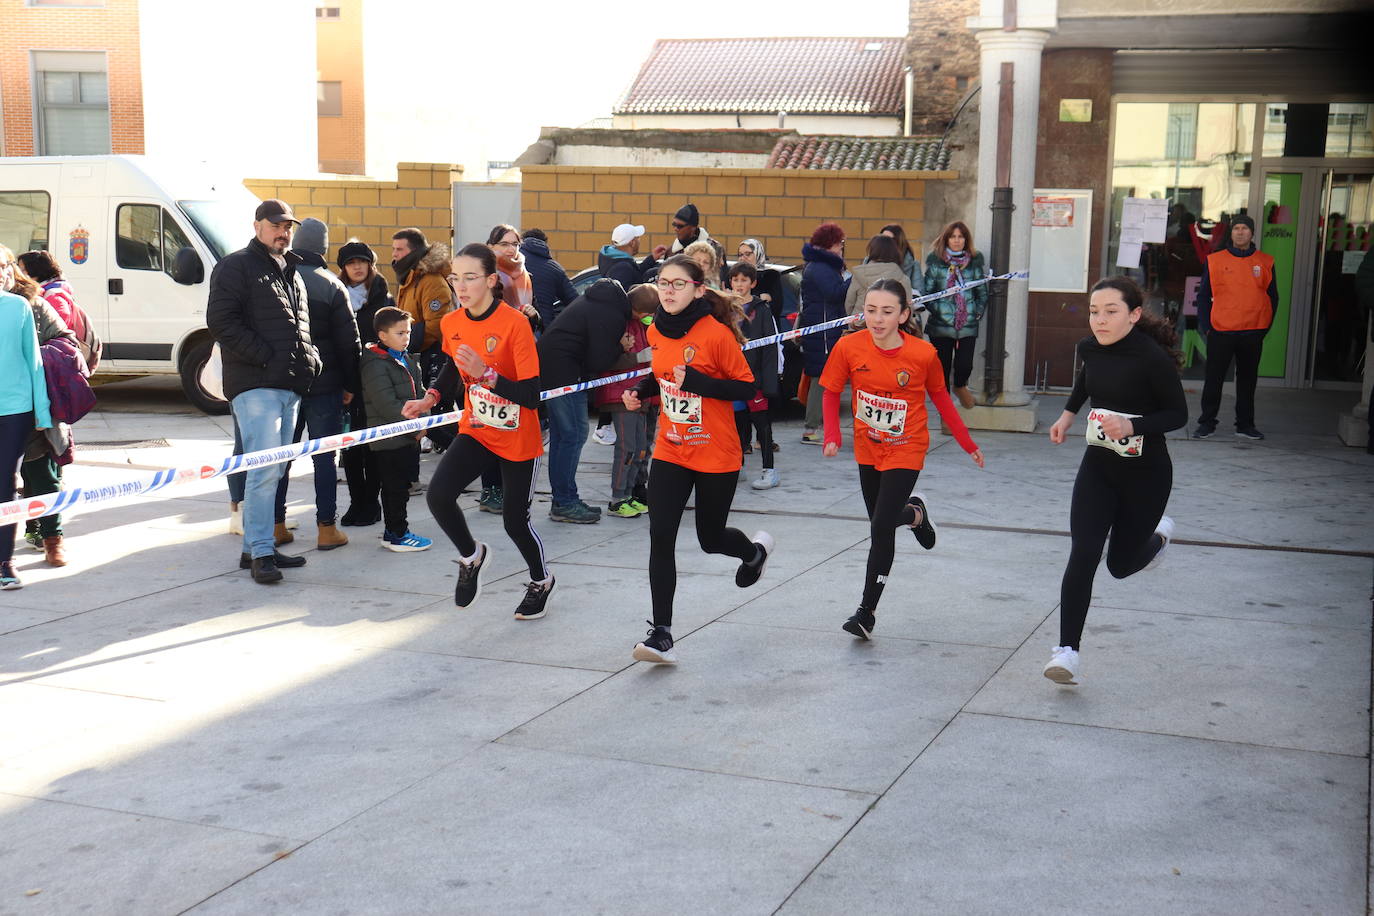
[(238, 480), (266, 419), (324, 416), (567, 434)]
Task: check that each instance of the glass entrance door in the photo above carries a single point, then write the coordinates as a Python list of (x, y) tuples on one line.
[(1337, 329)]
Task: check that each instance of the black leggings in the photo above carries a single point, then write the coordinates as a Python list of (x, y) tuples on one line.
[(885, 494), (669, 486), (1123, 496), (956, 355), (463, 463), (763, 428)]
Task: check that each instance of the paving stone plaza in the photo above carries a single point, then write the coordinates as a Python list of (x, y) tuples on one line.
[(179, 739)]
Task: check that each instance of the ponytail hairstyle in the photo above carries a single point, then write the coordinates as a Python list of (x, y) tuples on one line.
[(487, 257), (723, 309), (889, 285), (1149, 324)]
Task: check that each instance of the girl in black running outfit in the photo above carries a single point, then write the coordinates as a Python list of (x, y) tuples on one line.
[(1130, 370), (699, 370), (491, 346)]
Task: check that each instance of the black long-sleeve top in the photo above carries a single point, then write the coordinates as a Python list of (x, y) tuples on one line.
[(1135, 375)]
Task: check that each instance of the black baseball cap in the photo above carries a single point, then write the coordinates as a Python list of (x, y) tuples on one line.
[(277, 211)]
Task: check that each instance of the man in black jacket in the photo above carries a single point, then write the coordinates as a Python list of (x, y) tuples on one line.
[(335, 334), (259, 316), (616, 261), (582, 344), (552, 288)]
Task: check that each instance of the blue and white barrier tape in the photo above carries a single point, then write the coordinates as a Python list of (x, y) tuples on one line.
[(21, 510)]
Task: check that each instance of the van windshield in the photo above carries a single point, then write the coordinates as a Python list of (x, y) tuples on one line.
[(218, 222)]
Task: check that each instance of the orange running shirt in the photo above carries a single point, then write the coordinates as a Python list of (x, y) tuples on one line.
[(889, 397), (503, 339), (705, 439)]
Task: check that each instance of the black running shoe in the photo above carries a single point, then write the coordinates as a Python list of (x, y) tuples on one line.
[(1250, 432), (469, 587), (1204, 430), (532, 606), (925, 531), (860, 624), (750, 570), (657, 646)]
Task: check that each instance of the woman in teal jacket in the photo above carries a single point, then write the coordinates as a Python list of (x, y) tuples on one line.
[(23, 402), (953, 323)]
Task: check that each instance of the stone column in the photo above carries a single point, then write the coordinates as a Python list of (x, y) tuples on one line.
[(1021, 47)]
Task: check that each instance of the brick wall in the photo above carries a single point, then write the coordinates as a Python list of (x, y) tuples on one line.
[(371, 211), (1070, 155), (112, 28), (339, 57), (578, 206), (944, 58)]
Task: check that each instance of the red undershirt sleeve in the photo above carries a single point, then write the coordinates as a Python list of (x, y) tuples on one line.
[(830, 411), (953, 420)]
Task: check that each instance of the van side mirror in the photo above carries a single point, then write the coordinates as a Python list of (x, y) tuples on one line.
[(187, 268)]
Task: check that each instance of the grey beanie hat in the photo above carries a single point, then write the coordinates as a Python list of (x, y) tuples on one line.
[(312, 236)]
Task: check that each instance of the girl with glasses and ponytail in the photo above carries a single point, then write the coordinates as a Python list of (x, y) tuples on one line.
[(698, 370)]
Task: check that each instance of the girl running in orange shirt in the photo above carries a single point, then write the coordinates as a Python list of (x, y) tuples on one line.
[(491, 345), (699, 371), (891, 371)]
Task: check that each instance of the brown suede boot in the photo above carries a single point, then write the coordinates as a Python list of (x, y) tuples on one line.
[(53, 552), (330, 537), (281, 535), (965, 397)]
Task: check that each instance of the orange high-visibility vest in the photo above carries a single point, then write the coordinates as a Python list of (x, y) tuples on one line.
[(1240, 290)]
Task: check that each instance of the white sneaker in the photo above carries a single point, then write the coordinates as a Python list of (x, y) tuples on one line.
[(426, 446), (767, 480), (1164, 529), (1062, 667), (235, 518), (605, 435)]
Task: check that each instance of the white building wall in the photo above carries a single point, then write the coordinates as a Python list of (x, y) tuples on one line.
[(210, 93), (656, 158), (845, 125)]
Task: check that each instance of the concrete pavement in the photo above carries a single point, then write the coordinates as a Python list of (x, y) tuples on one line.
[(179, 739)]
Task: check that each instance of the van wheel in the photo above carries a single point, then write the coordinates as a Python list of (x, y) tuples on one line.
[(192, 368)]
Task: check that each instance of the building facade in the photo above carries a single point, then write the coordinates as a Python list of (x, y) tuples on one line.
[(70, 77)]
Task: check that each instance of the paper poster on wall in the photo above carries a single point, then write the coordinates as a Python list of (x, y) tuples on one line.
[(1052, 212), (1148, 214), (1061, 227)]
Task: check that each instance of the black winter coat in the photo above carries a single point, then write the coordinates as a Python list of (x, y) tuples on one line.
[(260, 318), (378, 296), (624, 270), (763, 361), (333, 329), (386, 388), (553, 291), (584, 341)]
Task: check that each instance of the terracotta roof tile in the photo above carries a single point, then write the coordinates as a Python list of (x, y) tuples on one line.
[(766, 75), (868, 153)]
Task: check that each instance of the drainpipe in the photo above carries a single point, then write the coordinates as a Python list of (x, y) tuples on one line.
[(909, 78)]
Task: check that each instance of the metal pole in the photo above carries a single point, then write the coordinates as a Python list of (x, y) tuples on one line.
[(1000, 249)]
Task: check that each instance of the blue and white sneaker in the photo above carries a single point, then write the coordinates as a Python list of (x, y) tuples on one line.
[(8, 579), (405, 543)]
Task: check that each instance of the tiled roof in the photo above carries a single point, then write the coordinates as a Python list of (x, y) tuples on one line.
[(872, 153), (766, 75)]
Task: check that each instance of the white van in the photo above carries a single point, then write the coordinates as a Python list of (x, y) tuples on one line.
[(136, 239)]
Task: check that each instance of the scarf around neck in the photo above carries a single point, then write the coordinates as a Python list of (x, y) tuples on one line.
[(677, 326), (957, 261), (405, 265)]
